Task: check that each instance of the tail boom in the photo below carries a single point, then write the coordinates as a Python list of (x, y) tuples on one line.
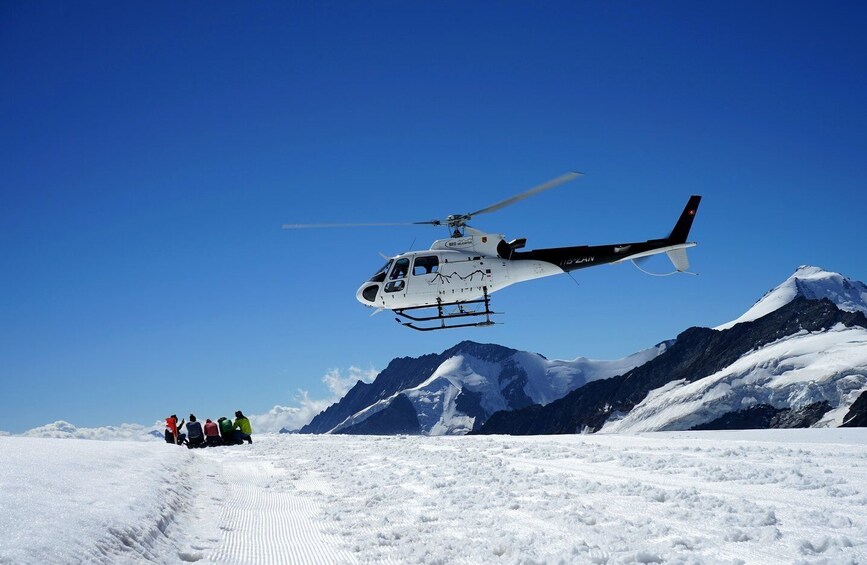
[(674, 246)]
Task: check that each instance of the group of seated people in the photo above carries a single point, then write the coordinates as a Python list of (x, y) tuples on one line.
[(212, 434)]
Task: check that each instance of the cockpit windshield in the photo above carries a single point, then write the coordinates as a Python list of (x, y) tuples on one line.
[(380, 274)]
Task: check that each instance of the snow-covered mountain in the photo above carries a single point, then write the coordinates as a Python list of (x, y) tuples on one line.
[(455, 392), (813, 283), (826, 370), (797, 358)]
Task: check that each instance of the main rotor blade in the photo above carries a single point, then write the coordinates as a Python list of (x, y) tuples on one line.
[(533, 191), (304, 226)]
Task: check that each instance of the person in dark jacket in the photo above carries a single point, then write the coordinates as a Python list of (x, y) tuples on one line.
[(243, 429), (195, 433), (212, 433), (227, 431)]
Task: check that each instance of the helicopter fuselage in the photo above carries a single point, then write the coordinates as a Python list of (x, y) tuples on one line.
[(452, 270), (468, 268)]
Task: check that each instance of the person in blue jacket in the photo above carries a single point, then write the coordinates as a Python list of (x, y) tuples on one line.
[(195, 435)]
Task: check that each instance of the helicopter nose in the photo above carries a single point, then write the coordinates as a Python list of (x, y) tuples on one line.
[(367, 293)]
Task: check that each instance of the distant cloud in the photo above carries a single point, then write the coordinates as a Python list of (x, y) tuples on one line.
[(2, 433), (127, 432), (339, 386), (294, 417)]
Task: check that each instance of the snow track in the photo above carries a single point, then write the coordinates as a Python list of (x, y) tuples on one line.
[(265, 517)]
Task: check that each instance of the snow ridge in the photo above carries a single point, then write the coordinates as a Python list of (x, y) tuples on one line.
[(75, 501)]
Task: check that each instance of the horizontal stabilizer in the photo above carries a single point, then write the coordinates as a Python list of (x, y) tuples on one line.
[(669, 249)]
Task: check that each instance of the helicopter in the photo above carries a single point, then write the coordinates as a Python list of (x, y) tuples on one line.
[(450, 284)]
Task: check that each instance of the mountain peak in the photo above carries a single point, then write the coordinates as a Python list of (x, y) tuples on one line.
[(813, 283), (483, 351), (811, 271)]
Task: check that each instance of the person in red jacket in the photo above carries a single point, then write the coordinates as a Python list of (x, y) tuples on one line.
[(173, 431), (212, 433)]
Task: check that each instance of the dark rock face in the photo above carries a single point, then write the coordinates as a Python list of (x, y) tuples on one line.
[(470, 403), (400, 374), (697, 353), (802, 418), (398, 418), (753, 418), (764, 416), (514, 391), (856, 417)]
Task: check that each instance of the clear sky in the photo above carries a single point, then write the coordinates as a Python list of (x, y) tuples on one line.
[(151, 151)]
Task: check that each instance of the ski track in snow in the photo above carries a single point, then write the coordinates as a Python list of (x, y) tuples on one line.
[(269, 514), (777, 496)]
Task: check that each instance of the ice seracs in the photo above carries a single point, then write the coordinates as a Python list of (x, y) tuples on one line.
[(813, 283)]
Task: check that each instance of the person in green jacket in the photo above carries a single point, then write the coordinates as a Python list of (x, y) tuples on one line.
[(227, 431), (243, 429)]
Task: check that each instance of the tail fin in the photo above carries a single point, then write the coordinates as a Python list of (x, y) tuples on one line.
[(684, 223)]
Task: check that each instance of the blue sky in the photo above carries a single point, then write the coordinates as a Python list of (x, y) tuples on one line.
[(151, 152)]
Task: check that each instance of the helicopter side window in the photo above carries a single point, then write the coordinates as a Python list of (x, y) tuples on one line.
[(425, 265), (380, 274), (401, 267)]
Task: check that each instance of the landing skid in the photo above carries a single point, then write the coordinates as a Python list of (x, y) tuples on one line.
[(469, 309)]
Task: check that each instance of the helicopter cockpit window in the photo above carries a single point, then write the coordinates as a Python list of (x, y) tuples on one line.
[(380, 274), (425, 265), (401, 268)]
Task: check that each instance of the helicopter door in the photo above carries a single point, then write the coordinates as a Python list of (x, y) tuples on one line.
[(397, 277), (425, 278)]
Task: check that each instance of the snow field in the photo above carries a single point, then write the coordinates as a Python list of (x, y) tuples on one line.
[(615, 499), (769, 496)]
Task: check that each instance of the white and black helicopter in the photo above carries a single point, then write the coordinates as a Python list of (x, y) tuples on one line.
[(449, 285)]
